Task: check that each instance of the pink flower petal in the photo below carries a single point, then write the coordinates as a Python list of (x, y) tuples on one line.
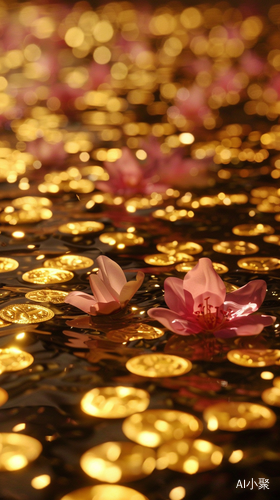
[(176, 298), (131, 287), (99, 289), (202, 280), (83, 301), (252, 325), (173, 321), (247, 299), (107, 307), (112, 275)]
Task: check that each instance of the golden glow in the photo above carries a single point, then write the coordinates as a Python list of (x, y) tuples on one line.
[(40, 482)]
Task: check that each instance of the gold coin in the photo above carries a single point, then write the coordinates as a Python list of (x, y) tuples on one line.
[(189, 456), (259, 264), (264, 191), (252, 229), (47, 276), (7, 264), (235, 247), (154, 427), (276, 382), (81, 227), (271, 396), (3, 323), (272, 238), (269, 207), (114, 402), (25, 314), (105, 492), (17, 450), (171, 214), (53, 296), (158, 365), (78, 186), (135, 332), (3, 396), (160, 259), (173, 247), (254, 357), (238, 416), (121, 240), (70, 262), (13, 359), (26, 217), (114, 462), (107, 198), (29, 202), (185, 267), (142, 203)]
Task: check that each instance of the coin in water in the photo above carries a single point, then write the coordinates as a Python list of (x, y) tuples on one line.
[(238, 416), (3, 396), (172, 247), (53, 296), (271, 396), (121, 240), (158, 365), (114, 462), (25, 314), (235, 247), (254, 357), (189, 456), (28, 202), (17, 450), (70, 262), (259, 264), (13, 359), (7, 264), (114, 402), (185, 267), (105, 492), (81, 227), (160, 259), (153, 427), (135, 332), (252, 229), (26, 217), (272, 238), (47, 276)]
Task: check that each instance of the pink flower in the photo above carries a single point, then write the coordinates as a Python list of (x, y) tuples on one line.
[(199, 303), (110, 289)]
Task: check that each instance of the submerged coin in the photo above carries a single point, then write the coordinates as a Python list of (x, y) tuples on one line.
[(252, 229), (26, 216), (238, 416), (25, 314), (235, 247), (114, 402), (259, 264), (272, 238), (135, 332), (13, 359), (81, 227), (7, 264), (254, 357), (53, 296), (160, 259), (28, 202), (121, 240), (114, 462), (185, 267), (158, 365), (17, 450), (172, 247), (105, 492), (3, 396), (70, 262), (47, 276)]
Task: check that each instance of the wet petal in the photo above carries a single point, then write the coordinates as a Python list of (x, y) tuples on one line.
[(203, 280), (100, 290), (83, 301), (176, 298), (107, 307), (252, 325), (131, 287), (247, 299), (111, 274), (173, 321)]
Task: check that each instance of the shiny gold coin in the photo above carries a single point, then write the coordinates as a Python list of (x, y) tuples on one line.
[(121, 240), (252, 229), (17, 450), (238, 416), (173, 247), (114, 462), (47, 276), (25, 314), (13, 359), (3, 396), (105, 492), (26, 217), (29, 202), (81, 227), (53, 296), (230, 287), (171, 215), (185, 267), (3, 323), (160, 259), (254, 357), (235, 247), (264, 191), (78, 186), (189, 456), (70, 262), (259, 264), (114, 402), (158, 365), (269, 207), (271, 396), (154, 427), (135, 332), (7, 264), (272, 238)]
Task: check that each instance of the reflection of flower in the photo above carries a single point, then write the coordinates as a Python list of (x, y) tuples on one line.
[(110, 289), (199, 303)]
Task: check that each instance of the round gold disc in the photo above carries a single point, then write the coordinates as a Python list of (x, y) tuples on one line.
[(105, 492), (7, 264), (271, 396), (172, 247), (13, 359), (158, 365), (114, 402), (3, 396), (81, 227), (17, 450), (47, 276), (185, 267), (160, 259), (238, 416), (69, 262), (135, 332), (259, 264), (252, 229), (114, 462), (189, 456), (53, 296), (121, 240), (26, 217), (170, 214), (272, 238), (253, 357), (28, 202), (154, 427), (25, 314), (235, 247)]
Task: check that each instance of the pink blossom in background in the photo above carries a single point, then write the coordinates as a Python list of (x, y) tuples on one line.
[(199, 303), (192, 103), (46, 153), (251, 63)]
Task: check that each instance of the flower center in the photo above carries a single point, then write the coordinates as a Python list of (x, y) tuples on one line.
[(211, 318)]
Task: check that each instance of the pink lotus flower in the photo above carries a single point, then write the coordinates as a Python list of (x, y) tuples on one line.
[(110, 289), (199, 303)]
